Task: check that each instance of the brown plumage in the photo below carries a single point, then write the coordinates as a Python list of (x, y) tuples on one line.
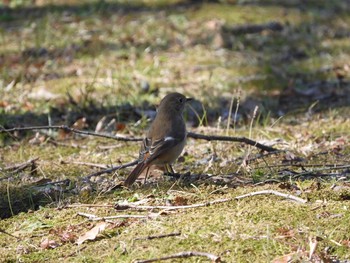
[(166, 137)]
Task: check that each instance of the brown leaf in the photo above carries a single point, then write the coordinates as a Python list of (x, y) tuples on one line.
[(47, 243), (179, 200), (3, 104), (120, 126), (63, 134), (92, 233), (292, 257), (100, 125), (285, 232), (80, 124), (346, 243)]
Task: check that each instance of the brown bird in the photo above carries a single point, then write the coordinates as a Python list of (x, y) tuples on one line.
[(165, 139)]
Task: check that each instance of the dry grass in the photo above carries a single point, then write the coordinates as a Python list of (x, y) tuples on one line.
[(117, 60)]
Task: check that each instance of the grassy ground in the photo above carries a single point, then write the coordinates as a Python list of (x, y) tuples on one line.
[(76, 63)]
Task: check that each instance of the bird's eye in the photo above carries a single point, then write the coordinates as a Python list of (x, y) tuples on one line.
[(181, 100)]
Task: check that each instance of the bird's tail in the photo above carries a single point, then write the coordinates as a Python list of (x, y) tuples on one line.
[(135, 174)]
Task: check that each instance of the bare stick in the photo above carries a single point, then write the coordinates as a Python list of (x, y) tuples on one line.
[(66, 128), (159, 236), (4, 232), (96, 218), (20, 166), (322, 169), (231, 139), (218, 201), (150, 207), (273, 192), (185, 254), (102, 166), (126, 139), (87, 205), (110, 170)]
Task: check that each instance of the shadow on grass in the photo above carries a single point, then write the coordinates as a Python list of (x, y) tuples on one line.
[(290, 84), (19, 198)]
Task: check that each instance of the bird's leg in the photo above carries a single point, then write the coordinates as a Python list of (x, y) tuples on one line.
[(169, 170), (144, 182)]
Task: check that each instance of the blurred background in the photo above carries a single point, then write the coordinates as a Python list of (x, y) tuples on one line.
[(61, 61)]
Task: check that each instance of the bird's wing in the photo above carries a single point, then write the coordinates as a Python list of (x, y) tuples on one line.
[(158, 147)]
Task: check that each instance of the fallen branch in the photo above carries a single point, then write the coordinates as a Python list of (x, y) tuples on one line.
[(218, 201), (109, 170), (87, 205), (150, 207), (185, 254), (20, 166), (96, 218), (14, 169), (273, 192), (69, 129), (126, 139), (158, 236), (321, 169), (231, 139), (96, 165), (4, 232)]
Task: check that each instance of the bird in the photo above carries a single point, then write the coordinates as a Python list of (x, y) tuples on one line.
[(165, 139)]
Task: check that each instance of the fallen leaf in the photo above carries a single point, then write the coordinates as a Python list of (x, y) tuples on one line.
[(179, 200), (80, 124), (3, 104), (292, 257), (120, 126), (100, 125), (346, 243), (47, 243), (313, 244), (92, 233)]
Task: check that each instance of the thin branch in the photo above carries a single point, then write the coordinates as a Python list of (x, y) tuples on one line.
[(159, 236), (86, 205), (4, 232), (150, 207), (96, 218), (20, 166), (14, 169), (185, 254), (66, 128), (126, 139), (321, 169), (218, 201), (96, 165), (109, 170), (325, 166), (231, 139), (273, 192)]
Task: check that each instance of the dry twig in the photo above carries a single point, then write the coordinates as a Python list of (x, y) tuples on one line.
[(150, 207), (159, 236), (126, 139), (20, 166), (110, 170), (69, 129), (96, 165), (185, 254), (96, 218), (273, 192), (87, 205), (231, 139), (4, 232), (218, 201)]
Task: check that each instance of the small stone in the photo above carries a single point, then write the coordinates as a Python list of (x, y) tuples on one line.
[(144, 86)]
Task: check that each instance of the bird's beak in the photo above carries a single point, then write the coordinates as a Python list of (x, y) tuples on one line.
[(189, 99)]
